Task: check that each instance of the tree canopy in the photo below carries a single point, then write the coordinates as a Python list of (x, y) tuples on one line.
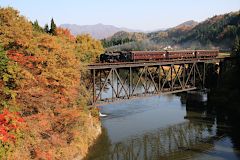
[(40, 71), (15, 30), (236, 48), (88, 49), (53, 27)]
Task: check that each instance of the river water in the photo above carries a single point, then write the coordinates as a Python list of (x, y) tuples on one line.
[(180, 126)]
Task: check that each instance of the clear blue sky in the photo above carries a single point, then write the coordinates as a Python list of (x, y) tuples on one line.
[(135, 14)]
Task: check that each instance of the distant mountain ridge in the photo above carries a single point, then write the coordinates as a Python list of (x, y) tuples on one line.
[(123, 37), (190, 23), (98, 31), (217, 32)]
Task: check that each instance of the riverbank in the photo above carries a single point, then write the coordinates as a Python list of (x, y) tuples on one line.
[(67, 136), (225, 94)]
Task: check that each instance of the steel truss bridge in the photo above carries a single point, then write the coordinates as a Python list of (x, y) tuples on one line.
[(136, 79)]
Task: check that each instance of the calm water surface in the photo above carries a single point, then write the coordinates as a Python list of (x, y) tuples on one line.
[(166, 127)]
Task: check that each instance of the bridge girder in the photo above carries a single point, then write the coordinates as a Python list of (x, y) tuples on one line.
[(153, 79)]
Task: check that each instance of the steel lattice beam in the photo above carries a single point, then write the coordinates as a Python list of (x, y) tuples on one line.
[(152, 78)]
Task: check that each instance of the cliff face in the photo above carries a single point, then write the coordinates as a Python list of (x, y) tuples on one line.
[(92, 133)]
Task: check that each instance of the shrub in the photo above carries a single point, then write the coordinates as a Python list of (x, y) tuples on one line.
[(10, 130)]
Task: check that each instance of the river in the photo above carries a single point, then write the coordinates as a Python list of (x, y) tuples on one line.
[(173, 126)]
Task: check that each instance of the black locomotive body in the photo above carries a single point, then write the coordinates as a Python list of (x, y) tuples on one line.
[(116, 57)]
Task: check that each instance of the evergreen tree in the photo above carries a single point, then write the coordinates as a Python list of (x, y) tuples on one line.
[(3, 62), (236, 48), (53, 27), (36, 26), (46, 28)]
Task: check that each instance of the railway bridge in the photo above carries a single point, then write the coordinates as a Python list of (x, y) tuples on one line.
[(120, 81)]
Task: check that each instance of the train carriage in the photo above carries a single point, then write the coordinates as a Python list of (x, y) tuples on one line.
[(132, 56), (207, 53), (147, 55), (181, 54)]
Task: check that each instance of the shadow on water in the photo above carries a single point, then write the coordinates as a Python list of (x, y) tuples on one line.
[(199, 131)]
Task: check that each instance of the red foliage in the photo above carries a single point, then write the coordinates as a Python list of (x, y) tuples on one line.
[(66, 33), (9, 123), (23, 59)]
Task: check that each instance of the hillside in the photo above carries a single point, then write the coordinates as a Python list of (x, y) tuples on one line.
[(123, 37), (216, 32), (43, 102), (189, 24), (98, 31)]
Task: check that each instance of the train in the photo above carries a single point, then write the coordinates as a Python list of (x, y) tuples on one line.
[(133, 56)]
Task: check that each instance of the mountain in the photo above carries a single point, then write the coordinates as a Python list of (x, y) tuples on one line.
[(123, 37), (219, 32), (189, 24), (98, 31)]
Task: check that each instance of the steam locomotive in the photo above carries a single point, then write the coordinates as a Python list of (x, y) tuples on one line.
[(133, 56)]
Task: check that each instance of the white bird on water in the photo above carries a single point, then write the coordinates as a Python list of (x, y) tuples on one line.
[(102, 115)]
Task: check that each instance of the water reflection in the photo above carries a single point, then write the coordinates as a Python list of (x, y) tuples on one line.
[(150, 129)]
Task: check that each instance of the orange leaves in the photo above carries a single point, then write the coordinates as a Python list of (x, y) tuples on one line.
[(56, 132), (15, 30), (46, 42), (65, 33), (47, 155), (44, 73), (9, 123), (22, 59)]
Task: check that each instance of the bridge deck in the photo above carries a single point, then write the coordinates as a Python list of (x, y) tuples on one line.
[(154, 77), (148, 63)]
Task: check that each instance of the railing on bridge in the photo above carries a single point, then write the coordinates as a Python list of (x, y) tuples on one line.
[(134, 79)]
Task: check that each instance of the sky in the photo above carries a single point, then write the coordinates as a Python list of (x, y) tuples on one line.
[(144, 15)]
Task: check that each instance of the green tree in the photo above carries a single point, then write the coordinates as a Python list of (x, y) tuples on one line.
[(236, 48), (36, 27), (53, 27), (3, 62), (46, 28)]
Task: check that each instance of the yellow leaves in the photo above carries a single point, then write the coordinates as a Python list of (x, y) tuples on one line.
[(88, 49), (5, 77), (52, 62), (43, 74), (11, 76), (15, 30)]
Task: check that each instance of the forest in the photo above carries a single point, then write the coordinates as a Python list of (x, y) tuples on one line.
[(43, 95), (219, 32)]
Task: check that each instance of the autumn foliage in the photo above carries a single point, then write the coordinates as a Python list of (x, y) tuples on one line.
[(9, 123), (40, 82), (65, 33), (15, 30)]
